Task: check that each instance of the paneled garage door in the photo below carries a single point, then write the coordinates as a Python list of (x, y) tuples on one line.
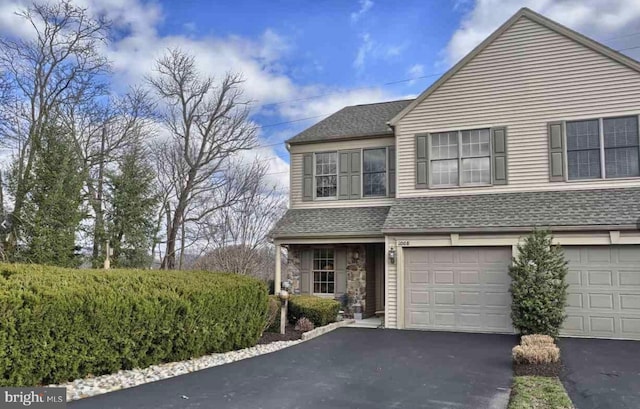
[(458, 289), (604, 292)]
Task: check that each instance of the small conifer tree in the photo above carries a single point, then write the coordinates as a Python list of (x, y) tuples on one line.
[(538, 285)]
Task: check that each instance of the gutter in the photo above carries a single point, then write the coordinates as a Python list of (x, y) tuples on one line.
[(340, 139), (515, 229), (328, 235)]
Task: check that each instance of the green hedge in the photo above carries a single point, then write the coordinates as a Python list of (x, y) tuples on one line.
[(321, 311), (273, 323), (60, 324)]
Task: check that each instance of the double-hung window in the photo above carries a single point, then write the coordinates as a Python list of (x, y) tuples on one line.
[(444, 159), (583, 149), (326, 174), (374, 172), (324, 273), (460, 158), (603, 148), (621, 147)]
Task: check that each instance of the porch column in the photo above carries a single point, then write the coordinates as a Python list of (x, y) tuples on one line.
[(278, 277)]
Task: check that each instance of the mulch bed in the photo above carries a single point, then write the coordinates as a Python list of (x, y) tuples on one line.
[(548, 370), (289, 335)]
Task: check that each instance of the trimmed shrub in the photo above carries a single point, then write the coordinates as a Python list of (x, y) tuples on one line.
[(273, 314), (60, 324), (538, 286), (320, 311), (304, 325), (536, 339), (535, 355)]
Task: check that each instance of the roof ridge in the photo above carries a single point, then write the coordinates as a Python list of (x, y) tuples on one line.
[(535, 17)]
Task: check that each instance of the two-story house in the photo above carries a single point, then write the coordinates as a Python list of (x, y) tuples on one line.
[(416, 207)]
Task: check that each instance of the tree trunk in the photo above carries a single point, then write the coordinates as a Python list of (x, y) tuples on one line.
[(170, 244), (182, 236), (98, 225)]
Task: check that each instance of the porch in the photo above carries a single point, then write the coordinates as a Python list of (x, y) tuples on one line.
[(352, 273)]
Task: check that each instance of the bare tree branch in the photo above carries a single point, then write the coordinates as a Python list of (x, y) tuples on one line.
[(208, 123)]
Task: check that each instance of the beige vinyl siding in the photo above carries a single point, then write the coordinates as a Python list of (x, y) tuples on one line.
[(391, 297), (295, 169), (526, 78)]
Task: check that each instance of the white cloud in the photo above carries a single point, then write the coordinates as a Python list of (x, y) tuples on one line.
[(190, 26), (416, 70), (365, 49), (370, 50), (333, 100), (365, 5), (598, 18), (138, 43)]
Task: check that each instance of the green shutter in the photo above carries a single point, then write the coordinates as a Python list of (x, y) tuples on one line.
[(344, 171), (499, 136), (349, 174), (422, 161), (340, 255), (356, 184), (307, 177), (392, 170), (556, 151), (306, 260)]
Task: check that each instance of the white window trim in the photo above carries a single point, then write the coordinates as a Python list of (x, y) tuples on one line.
[(603, 165), (460, 184), (315, 177), (313, 273), (362, 195)]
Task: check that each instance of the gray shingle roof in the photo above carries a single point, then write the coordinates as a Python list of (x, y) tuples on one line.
[(353, 221), (353, 121), (521, 210)]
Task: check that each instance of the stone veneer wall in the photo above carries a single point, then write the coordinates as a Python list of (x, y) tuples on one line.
[(356, 273), (292, 269)]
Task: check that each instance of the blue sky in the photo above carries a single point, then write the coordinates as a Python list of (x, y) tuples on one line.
[(306, 59), (325, 37)]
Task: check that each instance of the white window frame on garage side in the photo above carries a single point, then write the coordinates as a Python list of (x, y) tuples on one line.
[(460, 159), (602, 148)]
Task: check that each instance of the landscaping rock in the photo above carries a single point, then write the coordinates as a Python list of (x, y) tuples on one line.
[(90, 386)]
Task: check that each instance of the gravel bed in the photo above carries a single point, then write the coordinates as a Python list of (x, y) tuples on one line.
[(90, 386)]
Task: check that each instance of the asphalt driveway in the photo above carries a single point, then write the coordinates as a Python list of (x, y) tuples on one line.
[(601, 373), (348, 368)]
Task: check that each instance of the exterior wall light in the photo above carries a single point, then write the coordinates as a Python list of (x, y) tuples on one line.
[(392, 255)]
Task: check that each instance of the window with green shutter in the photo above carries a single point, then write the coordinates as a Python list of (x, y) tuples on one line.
[(473, 157), (590, 149)]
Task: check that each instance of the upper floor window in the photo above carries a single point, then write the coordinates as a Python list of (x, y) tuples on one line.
[(349, 174), (460, 158), (374, 172), (326, 174), (612, 140)]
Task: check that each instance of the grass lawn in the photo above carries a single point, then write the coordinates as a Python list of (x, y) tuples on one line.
[(537, 392)]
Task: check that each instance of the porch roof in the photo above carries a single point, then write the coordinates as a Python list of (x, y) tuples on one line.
[(333, 222)]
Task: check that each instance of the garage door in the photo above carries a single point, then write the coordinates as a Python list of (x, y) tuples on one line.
[(458, 289), (604, 292)]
